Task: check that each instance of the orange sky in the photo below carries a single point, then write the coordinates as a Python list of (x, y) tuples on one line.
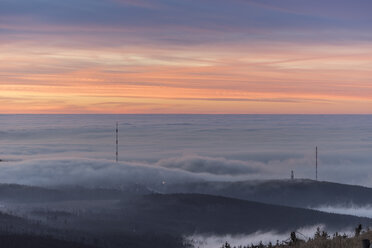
[(207, 80), (42, 71)]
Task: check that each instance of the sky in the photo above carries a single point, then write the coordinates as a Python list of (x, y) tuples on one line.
[(186, 56)]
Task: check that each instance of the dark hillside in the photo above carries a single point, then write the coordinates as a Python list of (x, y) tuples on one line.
[(34, 241), (22, 193), (297, 193), (194, 213)]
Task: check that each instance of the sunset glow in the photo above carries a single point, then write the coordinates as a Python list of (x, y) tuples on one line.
[(163, 56)]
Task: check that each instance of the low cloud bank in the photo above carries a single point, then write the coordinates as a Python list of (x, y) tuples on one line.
[(87, 172), (103, 172), (360, 211)]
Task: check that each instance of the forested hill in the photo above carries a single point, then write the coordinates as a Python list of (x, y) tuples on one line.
[(297, 193), (195, 213)]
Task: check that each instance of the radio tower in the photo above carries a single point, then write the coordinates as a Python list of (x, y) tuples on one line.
[(117, 142), (316, 163)]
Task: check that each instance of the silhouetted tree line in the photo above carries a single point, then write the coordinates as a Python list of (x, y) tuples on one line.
[(321, 239)]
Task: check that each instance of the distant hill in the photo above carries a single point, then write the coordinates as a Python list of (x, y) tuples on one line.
[(195, 213), (297, 193)]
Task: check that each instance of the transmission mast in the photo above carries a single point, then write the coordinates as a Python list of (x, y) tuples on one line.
[(117, 142), (316, 163)]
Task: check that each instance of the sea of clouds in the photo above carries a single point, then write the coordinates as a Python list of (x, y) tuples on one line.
[(42, 149)]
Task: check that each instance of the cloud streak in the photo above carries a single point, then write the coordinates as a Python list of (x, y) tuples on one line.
[(215, 166), (360, 211)]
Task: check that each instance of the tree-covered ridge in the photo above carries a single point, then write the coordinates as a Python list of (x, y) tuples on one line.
[(321, 239)]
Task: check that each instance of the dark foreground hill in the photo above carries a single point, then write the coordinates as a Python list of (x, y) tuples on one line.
[(297, 193), (136, 218), (37, 241), (194, 213), (18, 232)]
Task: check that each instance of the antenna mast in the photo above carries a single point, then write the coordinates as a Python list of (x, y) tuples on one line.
[(316, 163), (117, 142)]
